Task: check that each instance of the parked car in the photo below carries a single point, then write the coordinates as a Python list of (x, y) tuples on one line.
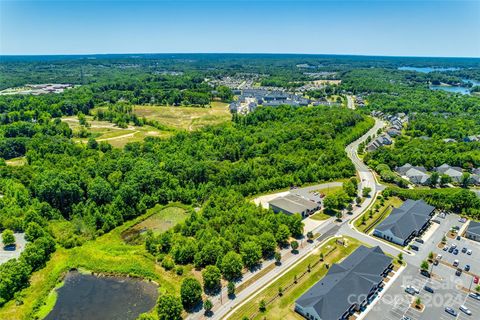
[(454, 245), (419, 240), (458, 272), (458, 238), (445, 248), (455, 263), (406, 318), (467, 267), (410, 290), (429, 289), (455, 252), (451, 311), (462, 220), (466, 310), (439, 257), (474, 295), (451, 249), (435, 262), (425, 273), (464, 250), (414, 247), (469, 252)]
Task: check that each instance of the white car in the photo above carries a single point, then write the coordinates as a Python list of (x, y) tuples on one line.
[(466, 310), (454, 245), (439, 257), (474, 295), (455, 263), (469, 252)]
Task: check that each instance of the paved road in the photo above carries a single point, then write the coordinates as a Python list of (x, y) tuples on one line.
[(224, 307), (350, 102)]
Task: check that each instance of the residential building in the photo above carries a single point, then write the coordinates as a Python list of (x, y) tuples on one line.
[(473, 231), (415, 174), (455, 173), (406, 222), (347, 287)]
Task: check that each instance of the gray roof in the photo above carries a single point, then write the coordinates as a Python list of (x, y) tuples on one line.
[(411, 216), (474, 228), (294, 204), (353, 277)]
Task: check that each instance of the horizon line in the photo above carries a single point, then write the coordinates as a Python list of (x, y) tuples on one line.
[(238, 53)]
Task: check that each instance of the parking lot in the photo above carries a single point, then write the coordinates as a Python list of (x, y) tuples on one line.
[(396, 303), (6, 255), (464, 259)]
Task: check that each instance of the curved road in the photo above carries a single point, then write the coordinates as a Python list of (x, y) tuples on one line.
[(225, 307)]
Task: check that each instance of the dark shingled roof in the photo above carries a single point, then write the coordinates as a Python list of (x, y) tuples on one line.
[(411, 216), (474, 228), (353, 277)]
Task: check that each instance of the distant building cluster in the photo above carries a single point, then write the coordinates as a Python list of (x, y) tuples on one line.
[(37, 89), (395, 129), (249, 99), (419, 175)]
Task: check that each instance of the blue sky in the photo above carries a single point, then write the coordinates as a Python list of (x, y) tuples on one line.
[(402, 28)]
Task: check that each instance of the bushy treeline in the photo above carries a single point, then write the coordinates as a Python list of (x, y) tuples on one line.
[(228, 232), (15, 273), (427, 153), (454, 199)]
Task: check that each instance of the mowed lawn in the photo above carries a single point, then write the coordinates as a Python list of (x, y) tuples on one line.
[(107, 254), (282, 308), (369, 221), (186, 118)]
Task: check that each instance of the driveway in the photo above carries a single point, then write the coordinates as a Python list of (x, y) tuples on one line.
[(6, 255)]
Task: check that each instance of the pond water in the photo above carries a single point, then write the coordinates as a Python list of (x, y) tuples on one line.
[(454, 89), (427, 69), (88, 297)]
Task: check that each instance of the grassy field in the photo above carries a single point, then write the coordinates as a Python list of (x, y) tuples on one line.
[(20, 161), (186, 118), (159, 221), (282, 308), (107, 254), (176, 118), (373, 220), (117, 137)]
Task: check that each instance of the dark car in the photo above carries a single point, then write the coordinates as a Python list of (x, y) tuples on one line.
[(458, 272), (467, 267), (451, 311), (419, 240), (455, 252), (435, 262), (464, 250), (429, 289), (414, 247), (458, 237), (425, 273), (451, 249)]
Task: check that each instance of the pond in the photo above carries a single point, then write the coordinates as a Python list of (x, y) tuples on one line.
[(453, 89), (88, 297), (427, 69)]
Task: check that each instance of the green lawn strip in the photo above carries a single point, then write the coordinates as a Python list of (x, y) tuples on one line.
[(377, 216), (282, 308), (320, 216), (257, 276)]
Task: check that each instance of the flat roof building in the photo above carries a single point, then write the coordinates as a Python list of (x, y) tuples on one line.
[(291, 204)]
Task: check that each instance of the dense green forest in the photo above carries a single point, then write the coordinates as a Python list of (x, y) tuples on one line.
[(90, 189), (98, 188)]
